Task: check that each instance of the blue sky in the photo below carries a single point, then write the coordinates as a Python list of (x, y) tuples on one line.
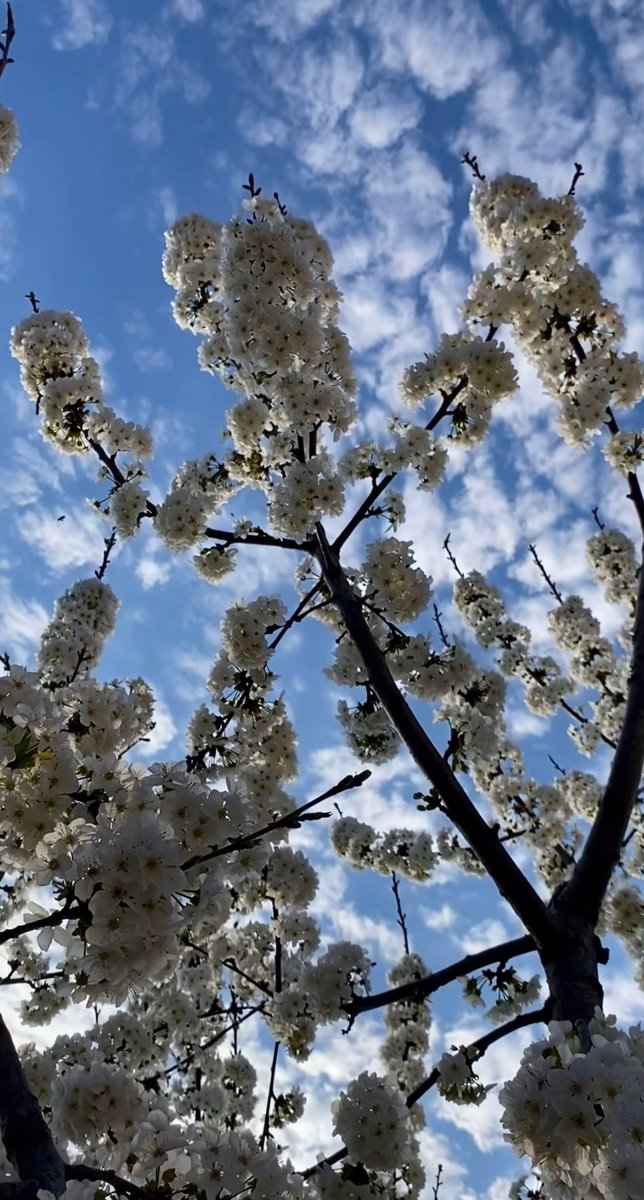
[(133, 112)]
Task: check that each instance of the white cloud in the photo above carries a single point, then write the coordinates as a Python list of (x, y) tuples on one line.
[(439, 919), (149, 69), (446, 49), (152, 572), (151, 358), (81, 23), (164, 731), (21, 624), (76, 542), (379, 118), (190, 10), (487, 933), (381, 938), (147, 355), (165, 198)]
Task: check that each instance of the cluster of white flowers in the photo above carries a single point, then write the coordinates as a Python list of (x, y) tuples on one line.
[(99, 1096), (63, 380), (244, 629), (414, 447), (580, 1116), (406, 851), (200, 488), (553, 304), (259, 289), (368, 730), (611, 555), (458, 1080), (481, 372), (625, 452), (483, 608), (72, 642), (314, 993), (371, 1119), (398, 589), (407, 1040), (9, 143)]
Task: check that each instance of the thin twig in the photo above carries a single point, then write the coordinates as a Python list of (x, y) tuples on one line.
[(579, 171), (441, 631), (8, 34), (266, 1127), (289, 821), (110, 543), (400, 915), (473, 163), (450, 555), (550, 582)]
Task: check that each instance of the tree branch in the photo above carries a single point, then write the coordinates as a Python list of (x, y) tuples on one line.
[(483, 840), (479, 1046), (101, 1175), (288, 821), (8, 34), (418, 989), (27, 1140), (601, 853), (55, 918)]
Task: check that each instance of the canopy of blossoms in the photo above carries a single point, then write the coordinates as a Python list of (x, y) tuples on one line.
[(172, 891)]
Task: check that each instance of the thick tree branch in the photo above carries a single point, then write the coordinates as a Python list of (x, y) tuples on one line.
[(256, 537), (483, 840), (27, 1140), (587, 888), (421, 988)]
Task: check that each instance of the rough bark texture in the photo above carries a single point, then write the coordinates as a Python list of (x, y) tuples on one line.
[(572, 972)]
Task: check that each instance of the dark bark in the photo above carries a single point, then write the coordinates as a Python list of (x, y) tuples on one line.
[(27, 1140), (481, 837), (603, 848), (421, 988)]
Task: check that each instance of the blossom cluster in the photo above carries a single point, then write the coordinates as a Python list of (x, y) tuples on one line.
[(60, 376), (580, 1115), (259, 290), (555, 307), (405, 851)]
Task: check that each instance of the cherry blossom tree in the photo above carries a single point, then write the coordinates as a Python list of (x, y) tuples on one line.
[(171, 890)]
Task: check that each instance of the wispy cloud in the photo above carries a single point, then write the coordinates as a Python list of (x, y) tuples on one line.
[(64, 544), (149, 69), (81, 23), (21, 623), (189, 10)]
